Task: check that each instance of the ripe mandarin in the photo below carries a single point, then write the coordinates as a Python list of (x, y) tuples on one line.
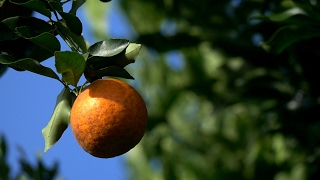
[(108, 118)]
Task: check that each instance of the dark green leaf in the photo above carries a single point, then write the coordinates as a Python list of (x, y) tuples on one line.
[(60, 119), (108, 48), (29, 65), (46, 40), (97, 62), (71, 65), (121, 59), (90, 74), (3, 146), (56, 5), (76, 40), (37, 43), (38, 26), (6, 33), (115, 71), (287, 35), (3, 68), (295, 16), (285, 15), (75, 6), (72, 22), (35, 5)]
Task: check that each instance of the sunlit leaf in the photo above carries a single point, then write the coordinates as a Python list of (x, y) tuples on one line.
[(132, 51), (71, 65), (60, 119), (108, 48)]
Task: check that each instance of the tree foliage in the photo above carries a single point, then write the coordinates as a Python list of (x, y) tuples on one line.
[(232, 89), (27, 41), (27, 170), (231, 86)]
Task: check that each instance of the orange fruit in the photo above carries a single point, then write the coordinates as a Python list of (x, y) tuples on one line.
[(108, 118)]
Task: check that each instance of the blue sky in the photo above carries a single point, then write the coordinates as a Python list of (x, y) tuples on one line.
[(27, 103)]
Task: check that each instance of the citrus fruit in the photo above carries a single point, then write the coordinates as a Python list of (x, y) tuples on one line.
[(108, 118)]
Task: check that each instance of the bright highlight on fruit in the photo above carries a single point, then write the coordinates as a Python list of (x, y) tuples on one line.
[(108, 118)]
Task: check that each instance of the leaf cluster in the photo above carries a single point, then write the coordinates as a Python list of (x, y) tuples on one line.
[(27, 41), (228, 109), (27, 170)]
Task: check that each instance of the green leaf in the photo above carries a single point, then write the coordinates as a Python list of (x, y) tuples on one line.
[(287, 35), (77, 40), (108, 48), (60, 119), (29, 65), (132, 51), (72, 22), (6, 33), (294, 15), (1, 4), (38, 26), (97, 62), (46, 40), (90, 74), (35, 5), (3, 68), (71, 65), (115, 71), (38, 41), (76, 4), (56, 5), (285, 14)]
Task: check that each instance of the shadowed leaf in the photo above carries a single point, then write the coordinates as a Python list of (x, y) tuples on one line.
[(72, 22), (287, 35), (29, 65), (76, 5), (35, 5), (38, 26), (115, 71), (77, 40), (46, 40)]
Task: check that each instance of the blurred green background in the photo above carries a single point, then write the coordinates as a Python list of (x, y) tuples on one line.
[(231, 86)]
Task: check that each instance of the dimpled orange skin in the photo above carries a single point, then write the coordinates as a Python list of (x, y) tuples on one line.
[(108, 118)]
